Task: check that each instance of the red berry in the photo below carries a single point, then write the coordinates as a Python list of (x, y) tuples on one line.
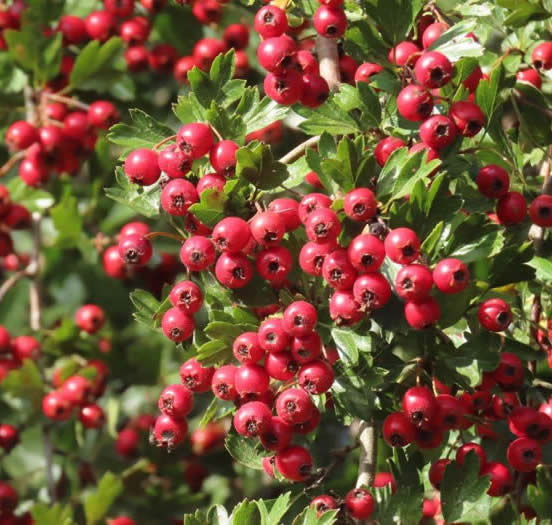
[(137, 58), (540, 211), (329, 22), (423, 313), (366, 70), (141, 167), (402, 245), (102, 114), (344, 310), (223, 157), (437, 471), (511, 208), (322, 225), (288, 209), (20, 135), (306, 348), (268, 465), (252, 419), (236, 36), (195, 140), (315, 90), (276, 54), (231, 234), (337, 271), (501, 478), (73, 29), (541, 55), (272, 335), (529, 76), (90, 318), (466, 448), (414, 103), (414, 282), (135, 249), (205, 51), (127, 442), (162, 58), (210, 181), (419, 405), (251, 381), (438, 132), (451, 411), (524, 454), (300, 318), (360, 503), (56, 406), (510, 372), (181, 67), (312, 202), (77, 390), (360, 204), (197, 253), (433, 32), (294, 463), (404, 53), (366, 253), (25, 347), (222, 383), (75, 125), (281, 366), (267, 228), (92, 416), (286, 88), (177, 325), (312, 256), (274, 264), (246, 348), (433, 70), (468, 118), (100, 25), (176, 401), (8, 500), (271, 21), (451, 276), (494, 315), (169, 432), (372, 291), (493, 181), (294, 406), (385, 147), (323, 503), (187, 296), (233, 270), (119, 8), (316, 377), (195, 376), (177, 197), (9, 437)]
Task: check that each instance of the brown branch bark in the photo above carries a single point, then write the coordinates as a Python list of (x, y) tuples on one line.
[(328, 58)]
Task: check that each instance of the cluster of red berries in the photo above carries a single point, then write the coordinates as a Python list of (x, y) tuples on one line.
[(14, 350), (10, 18), (130, 436), (359, 502), (541, 58), (8, 502), (12, 217), (62, 142)]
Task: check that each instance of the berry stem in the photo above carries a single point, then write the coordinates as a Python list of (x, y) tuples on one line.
[(164, 141), (11, 162), (9, 283), (299, 150), (368, 440), (56, 97), (328, 59), (32, 269), (151, 235)]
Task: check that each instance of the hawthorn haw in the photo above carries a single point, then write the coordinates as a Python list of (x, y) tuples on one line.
[(294, 463)]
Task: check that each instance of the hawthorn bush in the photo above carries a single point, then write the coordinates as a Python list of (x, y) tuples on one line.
[(275, 263)]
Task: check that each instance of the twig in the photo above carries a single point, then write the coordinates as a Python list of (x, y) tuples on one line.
[(328, 58), (164, 141), (299, 150), (368, 440), (528, 102), (49, 458), (32, 270), (30, 106), (68, 100), (11, 162), (151, 235), (8, 283)]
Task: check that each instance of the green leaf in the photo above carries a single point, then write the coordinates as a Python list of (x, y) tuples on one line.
[(210, 208), (486, 95), (57, 514), (197, 518), (25, 382), (98, 503), (256, 112), (144, 132), (543, 267), (188, 109), (244, 451), (214, 352), (67, 221), (143, 200), (539, 494), (32, 198), (393, 18), (349, 344), (93, 60), (146, 307), (455, 44), (245, 513), (229, 125), (370, 105), (309, 517), (272, 511), (328, 117), (524, 13), (463, 491), (226, 331), (256, 164), (209, 87)]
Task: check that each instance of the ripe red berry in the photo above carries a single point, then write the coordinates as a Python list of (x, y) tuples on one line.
[(169, 432), (423, 313), (90, 318), (223, 157), (451, 276), (25, 347), (233, 270), (433, 32), (322, 225), (360, 503), (100, 25), (141, 167), (500, 476), (438, 132), (288, 209), (267, 228), (540, 211), (312, 202), (195, 376), (294, 406), (135, 249), (337, 271), (197, 253), (344, 310), (251, 381), (73, 29), (92, 416), (468, 118), (419, 405), (299, 319), (252, 419), (271, 21), (372, 291), (222, 383), (315, 90), (281, 366), (510, 372), (187, 296), (366, 253), (102, 114), (404, 53), (511, 208), (177, 196), (402, 245), (529, 76), (9, 437), (56, 406), (231, 234), (385, 147), (493, 181), (236, 36), (195, 139), (494, 314), (246, 348), (437, 471), (524, 454), (451, 411), (119, 8), (433, 70), (20, 135), (8, 500), (306, 348), (329, 22), (360, 204), (284, 88), (323, 503), (274, 264), (316, 377), (466, 448), (294, 463), (177, 325), (414, 282), (77, 390), (272, 335), (176, 401), (312, 256), (276, 54), (541, 56), (366, 70), (414, 103)]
